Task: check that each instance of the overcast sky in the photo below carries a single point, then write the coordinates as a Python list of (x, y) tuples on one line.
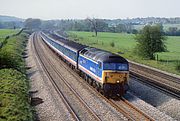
[(80, 9)]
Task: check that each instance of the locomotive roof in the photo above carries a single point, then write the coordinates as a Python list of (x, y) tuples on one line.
[(102, 55)]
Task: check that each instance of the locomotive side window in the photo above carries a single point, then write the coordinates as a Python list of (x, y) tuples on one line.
[(83, 51), (115, 66), (100, 65)]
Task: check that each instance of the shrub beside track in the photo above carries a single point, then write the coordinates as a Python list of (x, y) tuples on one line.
[(14, 87)]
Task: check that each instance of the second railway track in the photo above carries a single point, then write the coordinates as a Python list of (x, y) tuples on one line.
[(164, 82), (123, 106)]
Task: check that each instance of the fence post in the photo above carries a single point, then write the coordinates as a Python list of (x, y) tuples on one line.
[(1, 45)]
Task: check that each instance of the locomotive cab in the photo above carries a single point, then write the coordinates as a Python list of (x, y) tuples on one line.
[(110, 71), (115, 75)]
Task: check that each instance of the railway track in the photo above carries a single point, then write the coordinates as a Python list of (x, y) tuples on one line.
[(122, 105), (161, 81), (133, 113), (53, 76)]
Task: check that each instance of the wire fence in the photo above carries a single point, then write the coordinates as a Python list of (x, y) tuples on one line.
[(8, 36), (168, 59)]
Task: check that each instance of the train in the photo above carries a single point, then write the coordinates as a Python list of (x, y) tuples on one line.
[(106, 71)]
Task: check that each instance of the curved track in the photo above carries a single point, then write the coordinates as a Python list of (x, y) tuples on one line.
[(162, 81), (130, 110), (53, 76), (122, 105)]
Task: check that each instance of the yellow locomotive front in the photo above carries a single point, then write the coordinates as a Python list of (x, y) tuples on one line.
[(115, 78)]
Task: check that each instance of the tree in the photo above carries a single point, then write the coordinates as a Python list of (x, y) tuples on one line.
[(32, 23), (102, 26), (121, 28), (150, 40), (94, 24)]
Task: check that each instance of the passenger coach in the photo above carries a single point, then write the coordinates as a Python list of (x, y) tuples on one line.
[(106, 71)]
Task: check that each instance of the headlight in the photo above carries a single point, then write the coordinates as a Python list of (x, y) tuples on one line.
[(118, 81), (106, 78)]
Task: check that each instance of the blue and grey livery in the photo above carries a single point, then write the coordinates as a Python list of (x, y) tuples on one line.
[(107, 71)]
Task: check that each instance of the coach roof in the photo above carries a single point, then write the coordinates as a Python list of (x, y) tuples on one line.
[(75, 46)]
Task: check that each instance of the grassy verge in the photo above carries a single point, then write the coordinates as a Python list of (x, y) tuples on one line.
[(11, 53), (124, 45), (14, 105)]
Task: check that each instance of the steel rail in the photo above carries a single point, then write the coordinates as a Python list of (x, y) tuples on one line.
[(72, 90), (131, 116), (70, 109)]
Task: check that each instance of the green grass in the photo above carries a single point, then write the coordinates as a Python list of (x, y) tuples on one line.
[(1, 39), (14, 104), (5, 32), (173, 47), (11, 53), (125, 43)]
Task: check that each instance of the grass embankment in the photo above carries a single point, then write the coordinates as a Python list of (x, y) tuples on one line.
[(5, 32), (125, 43), (14, 87)]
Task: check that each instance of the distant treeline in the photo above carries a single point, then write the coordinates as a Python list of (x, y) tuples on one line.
[(84, 25), (102, 25), (11, 24)]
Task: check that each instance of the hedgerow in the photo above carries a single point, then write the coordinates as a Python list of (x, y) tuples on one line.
[(14, 103), (11, 53)]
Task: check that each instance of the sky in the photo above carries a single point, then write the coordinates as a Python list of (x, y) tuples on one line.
[(81, 9)]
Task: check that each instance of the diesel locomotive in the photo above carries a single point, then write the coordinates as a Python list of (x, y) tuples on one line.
[(106, 71)]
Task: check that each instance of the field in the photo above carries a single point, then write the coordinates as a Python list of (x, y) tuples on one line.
[(5, 32), (124, 44), (173, 47)]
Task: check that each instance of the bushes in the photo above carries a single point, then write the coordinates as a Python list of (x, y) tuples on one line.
[(11, 54), (112, 44), (14, 97), (150, 40), (14, 105)]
